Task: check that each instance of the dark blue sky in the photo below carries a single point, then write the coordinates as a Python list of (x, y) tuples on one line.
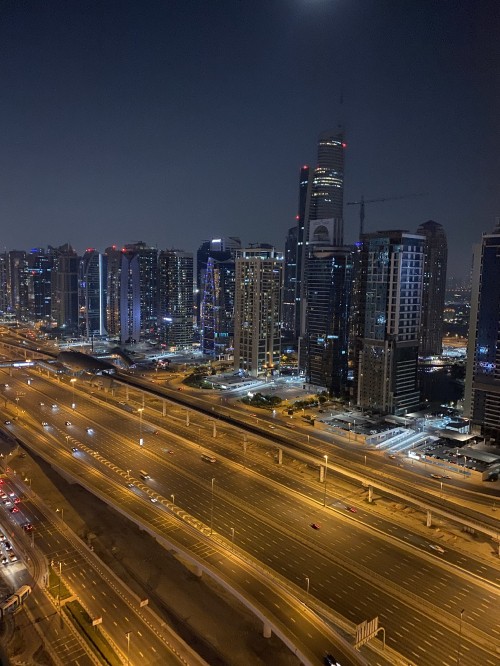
[(176, 121)]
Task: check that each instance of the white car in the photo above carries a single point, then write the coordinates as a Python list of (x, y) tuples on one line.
[(153, 499), (437, 548)]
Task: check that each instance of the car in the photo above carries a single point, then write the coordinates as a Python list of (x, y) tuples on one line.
[(330, 660), (27, 527), (170, 451), (7, 422), (130, 485), (89, 430), (392, 457), (352, 509), (14, 509), (5, 560), (122, 402), (12, 557), (68, 423), (75, 449), (447, 477), (42, 404), (436, 476), (17, 500), (272, 427), (179, 389), (437, 548), (2, 536), (45, 424), (54, 406), (315, 526), (8, 545), (7, 502), (153, 499)]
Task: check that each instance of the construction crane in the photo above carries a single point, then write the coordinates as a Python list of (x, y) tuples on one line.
[(361, 203)]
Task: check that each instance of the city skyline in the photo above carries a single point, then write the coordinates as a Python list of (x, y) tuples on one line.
[(181, 123)]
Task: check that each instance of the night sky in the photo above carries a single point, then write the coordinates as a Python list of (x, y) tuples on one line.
[(177, 121)]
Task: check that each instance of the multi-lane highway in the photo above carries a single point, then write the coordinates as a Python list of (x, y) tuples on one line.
[(267, 510)]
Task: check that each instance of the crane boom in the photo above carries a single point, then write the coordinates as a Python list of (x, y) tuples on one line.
[(362, 201)]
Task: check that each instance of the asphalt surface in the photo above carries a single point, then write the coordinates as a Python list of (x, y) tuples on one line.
[(351, 569)]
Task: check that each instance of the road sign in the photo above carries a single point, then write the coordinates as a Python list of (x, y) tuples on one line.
[(98, 620), (143, 602)]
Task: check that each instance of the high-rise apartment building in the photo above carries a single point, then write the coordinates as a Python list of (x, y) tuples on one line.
[(175, 290), (64, 289), (320, 221), (434, 288), (5, 308), (482, 383), (138, 293), (40, 264), (304, 194), (18, 278), (392, 264), (290, 283), (113, 290), (257, 345), (215, 294), (92, 296), (327, 317)]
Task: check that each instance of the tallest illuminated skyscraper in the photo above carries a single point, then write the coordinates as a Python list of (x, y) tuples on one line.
[(323, 268)]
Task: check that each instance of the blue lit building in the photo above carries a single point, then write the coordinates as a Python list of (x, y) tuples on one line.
[(92, 296), (482, 383)]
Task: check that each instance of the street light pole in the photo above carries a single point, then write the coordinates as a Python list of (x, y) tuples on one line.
[(59, 591), (173, 499), (326, 469), (307, 585), (128, 647), (232, 537), (459, 648), (73, 380), (61, 511), (212, 508), (140, 410)]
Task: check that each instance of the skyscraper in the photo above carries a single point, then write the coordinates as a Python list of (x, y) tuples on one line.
[(434, 288), (92, 296), (175, 296), (216, 287), (40, 263), (113, 290), (257, 344), (18, 283), (321, 220), (138, 293), (290, 283), (482, 383), (304, 194), (64, 289), (392, 264), (328, 304)]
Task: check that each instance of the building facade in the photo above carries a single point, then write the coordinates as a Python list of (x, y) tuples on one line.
[(328, 304), (215, 290), (92, 296), (175, 292), (392, 264), (434, 288), (482, 383), (64, 289), (257, 345)]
